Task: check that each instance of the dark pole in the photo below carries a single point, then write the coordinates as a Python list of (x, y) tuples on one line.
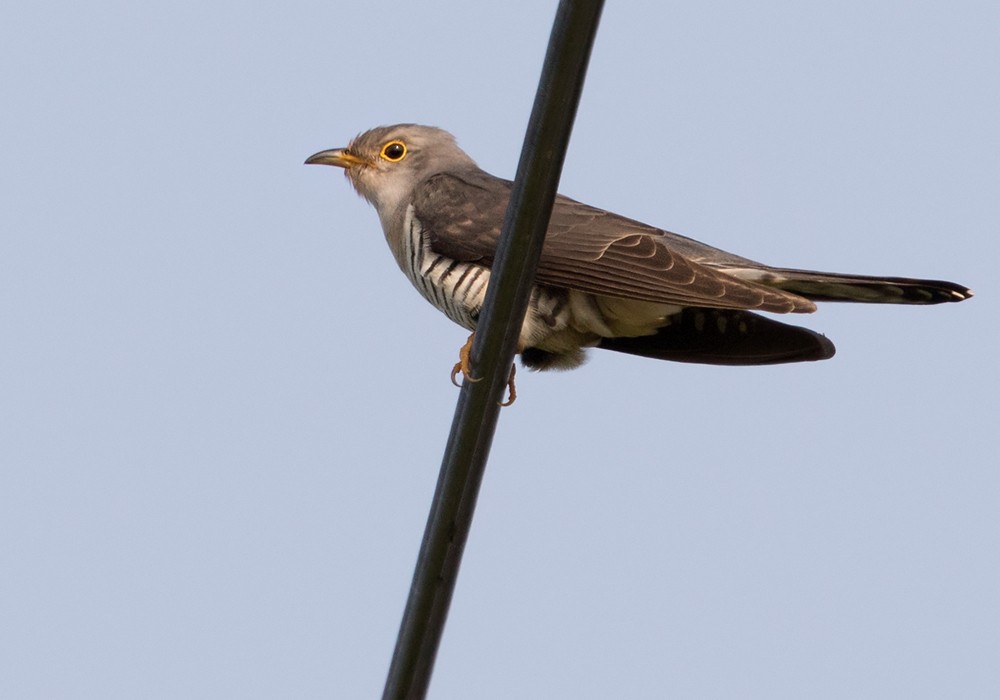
[(495, 345)]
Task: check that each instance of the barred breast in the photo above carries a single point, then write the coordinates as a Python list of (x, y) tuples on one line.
[(455, 288), (559, 323)]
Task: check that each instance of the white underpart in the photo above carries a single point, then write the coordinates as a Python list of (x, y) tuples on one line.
[(455, 288), (557, 321)]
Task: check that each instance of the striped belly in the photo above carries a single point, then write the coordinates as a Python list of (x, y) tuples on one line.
[(558, 322), (456, 288)]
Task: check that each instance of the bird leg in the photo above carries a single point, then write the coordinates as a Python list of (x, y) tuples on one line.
[(511, 390), (463, 367)]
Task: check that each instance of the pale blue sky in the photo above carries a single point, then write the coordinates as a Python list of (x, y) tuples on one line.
[(222, 407)]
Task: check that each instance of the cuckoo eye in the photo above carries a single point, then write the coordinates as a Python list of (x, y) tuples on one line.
[(394, 151)]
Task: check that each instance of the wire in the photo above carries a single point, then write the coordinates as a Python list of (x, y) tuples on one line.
[(493, 351)]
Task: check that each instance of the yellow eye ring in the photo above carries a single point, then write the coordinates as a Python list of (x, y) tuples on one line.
[(394, 151)]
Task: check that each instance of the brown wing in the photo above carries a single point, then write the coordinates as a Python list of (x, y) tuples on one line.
[(590, 250)]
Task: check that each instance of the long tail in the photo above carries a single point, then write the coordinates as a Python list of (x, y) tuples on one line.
[(726, 337), (833, 286)]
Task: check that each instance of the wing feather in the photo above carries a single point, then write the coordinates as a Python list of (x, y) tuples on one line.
[(589, 250)]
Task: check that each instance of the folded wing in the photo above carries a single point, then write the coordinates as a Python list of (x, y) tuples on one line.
[(589, 250)]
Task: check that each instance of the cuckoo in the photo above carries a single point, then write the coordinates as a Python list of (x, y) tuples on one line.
[(603, 281)]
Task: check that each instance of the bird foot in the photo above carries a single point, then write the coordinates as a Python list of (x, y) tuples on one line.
[(464, 367), (511, 390)]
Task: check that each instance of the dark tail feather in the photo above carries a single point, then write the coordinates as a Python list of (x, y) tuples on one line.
[(831, 286), (726, 337)]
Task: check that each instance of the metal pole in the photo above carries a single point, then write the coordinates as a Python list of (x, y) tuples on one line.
[(513, 273)]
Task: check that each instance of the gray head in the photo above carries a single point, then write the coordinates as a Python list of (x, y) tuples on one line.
[(385, 163)]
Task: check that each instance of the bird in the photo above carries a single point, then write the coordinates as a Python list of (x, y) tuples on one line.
[(603, 280)]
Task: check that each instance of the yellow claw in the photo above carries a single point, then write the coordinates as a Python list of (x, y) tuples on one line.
[(511, 390), (463, 366)]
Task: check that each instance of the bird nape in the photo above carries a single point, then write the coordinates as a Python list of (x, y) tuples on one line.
[(603, 280)]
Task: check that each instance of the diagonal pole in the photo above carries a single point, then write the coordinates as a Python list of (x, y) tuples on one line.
[(495, 345)]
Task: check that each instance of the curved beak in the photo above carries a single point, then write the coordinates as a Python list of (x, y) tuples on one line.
[(340, 157)]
